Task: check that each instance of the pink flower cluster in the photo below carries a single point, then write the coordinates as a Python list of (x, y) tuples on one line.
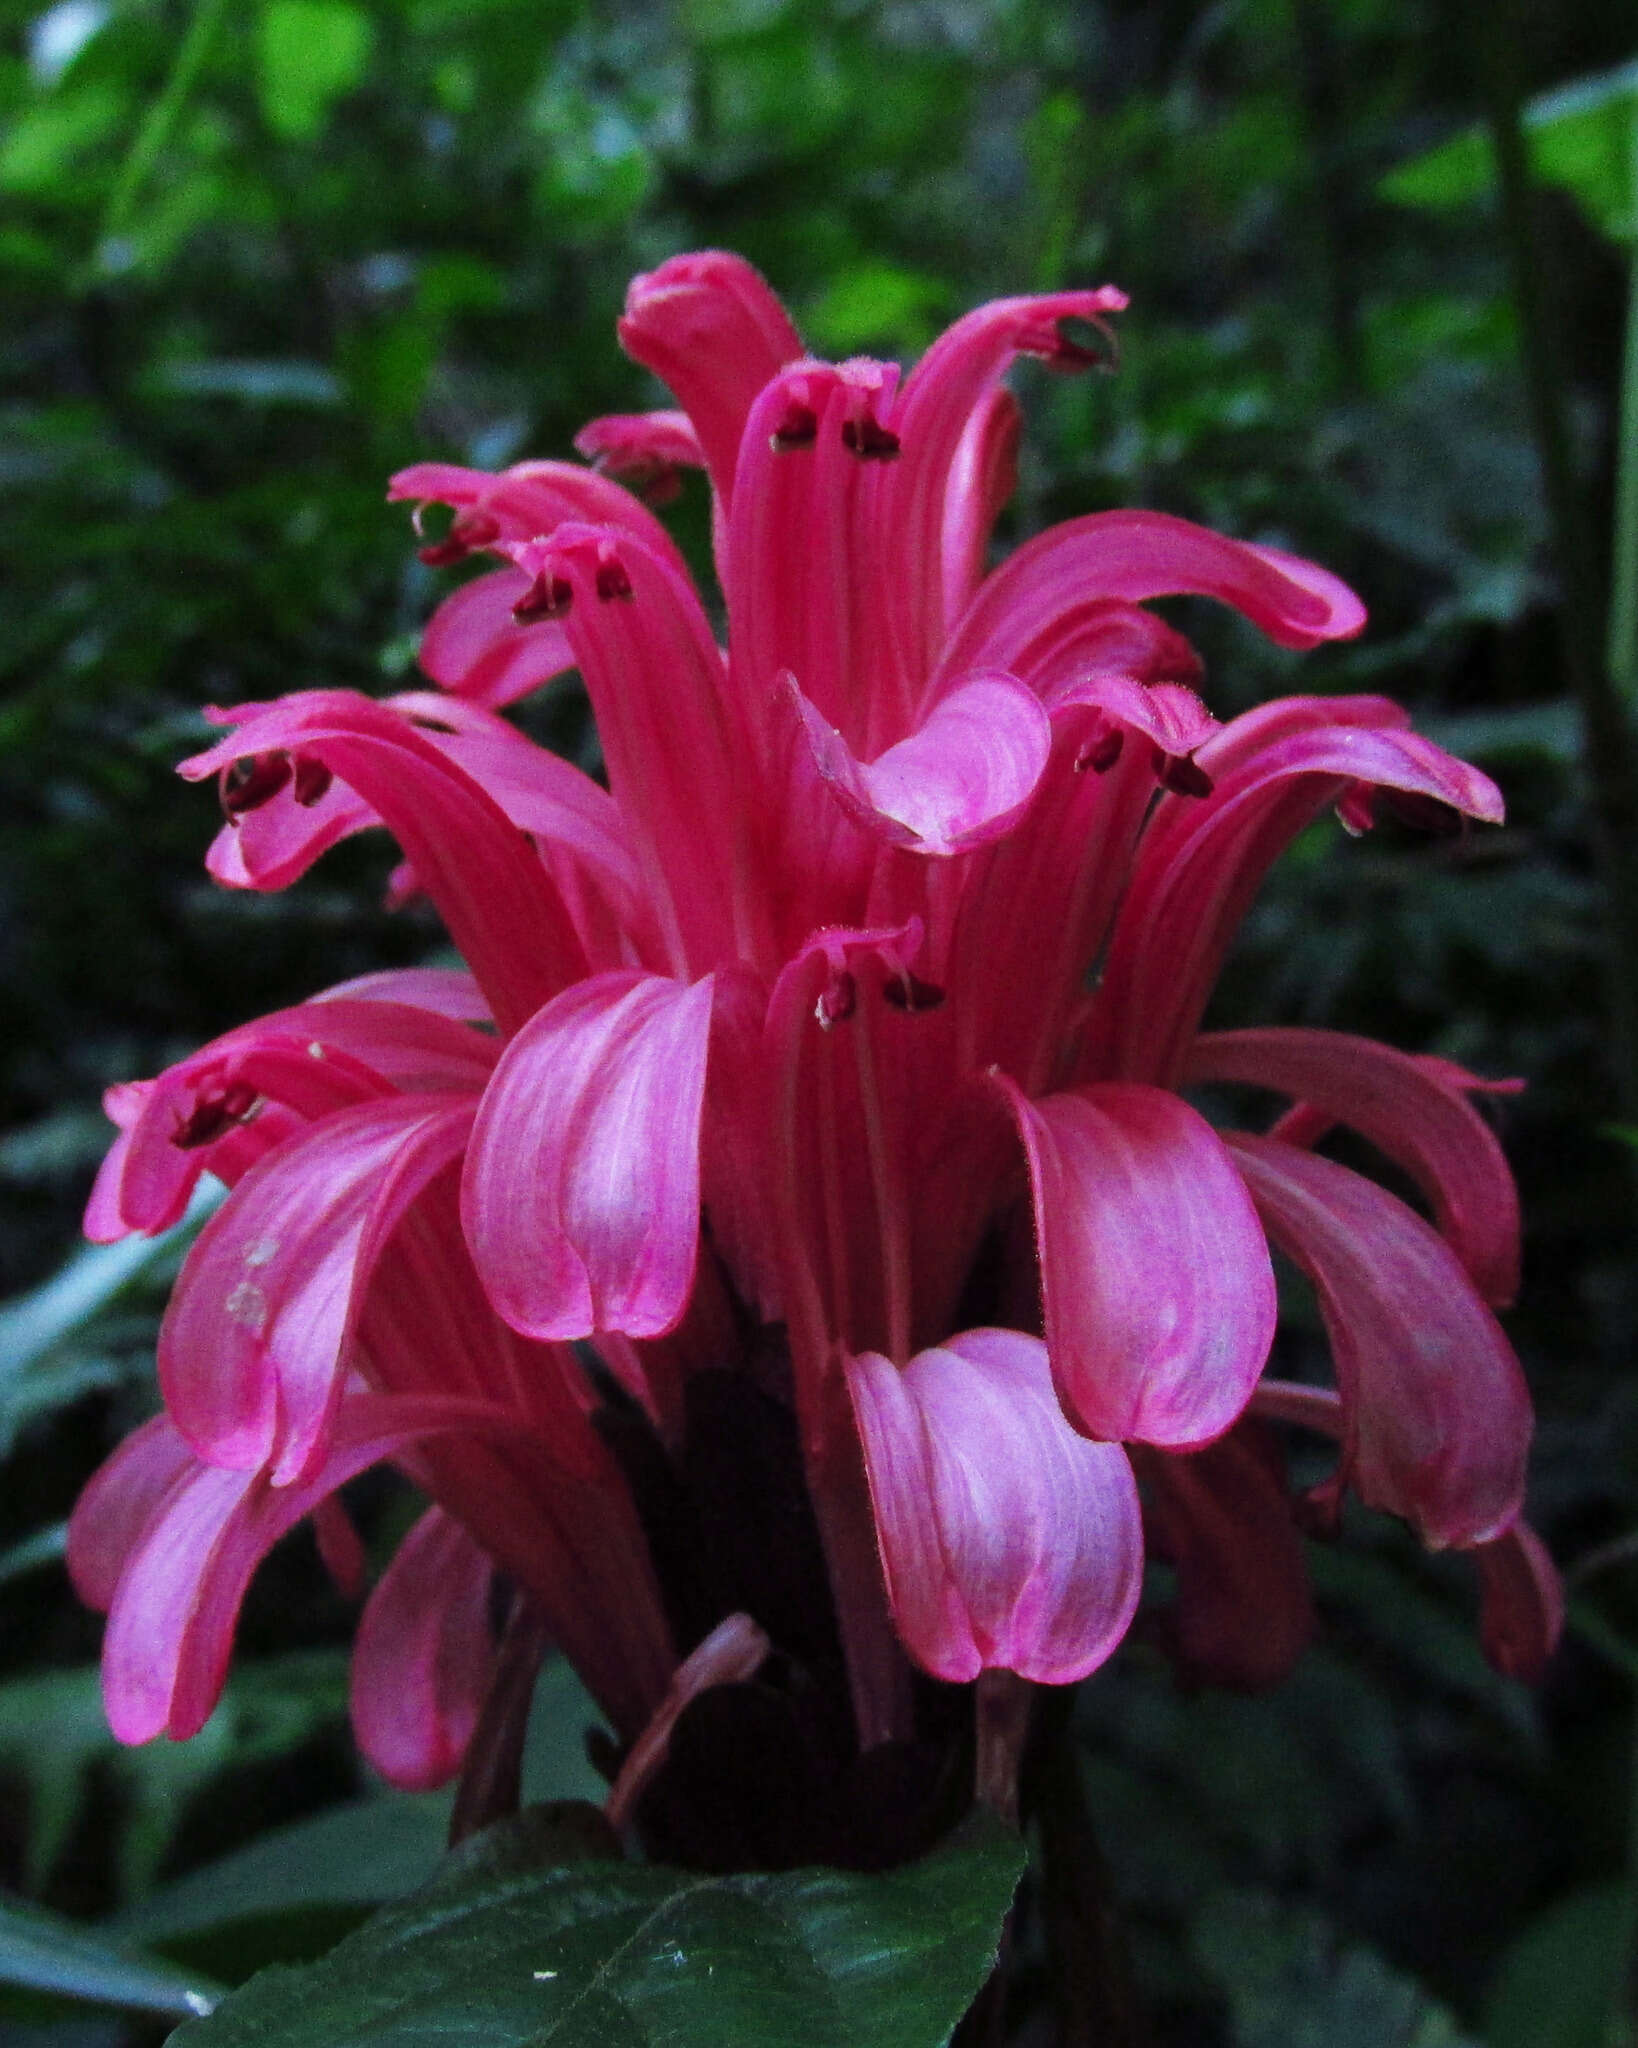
[(793, 1025)]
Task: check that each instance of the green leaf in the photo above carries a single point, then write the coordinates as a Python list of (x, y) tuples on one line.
[(1558, 1982), (1580, 137), (44, 1952), (592, 1954), (878, 304), (312, 51), (45, 142)]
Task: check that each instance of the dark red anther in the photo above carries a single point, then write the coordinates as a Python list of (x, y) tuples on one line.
[(214, 1115), (548, 597), (251, 781), (799, 428), (311, 780), (469, 531), (907, 991), (1073, 344), (869, 439), (1101, 754), (612, 579), (1181, 775), (838, 999)]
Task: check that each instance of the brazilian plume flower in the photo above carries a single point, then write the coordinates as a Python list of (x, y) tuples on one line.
[(777, 1081)]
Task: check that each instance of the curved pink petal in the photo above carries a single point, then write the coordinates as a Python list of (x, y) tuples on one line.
[(1135, 556), (645, 450), (1203, 858), (983, 477), (170, 1628), (1421, 1122), (226, 1105), (120, 1500), (1522, 1603), (1155, 1276), (449, 991), (710, 327), (500, 908), (422, 1655), (1222, 1517), (474, 646), (255, 1346), (493, 509), (1008, 1541), (1094, 638), (582, 1191), (947, 388), (1435, 1408), (958, 782)]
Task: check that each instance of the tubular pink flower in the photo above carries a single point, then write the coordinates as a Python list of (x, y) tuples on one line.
[(775, 1067)]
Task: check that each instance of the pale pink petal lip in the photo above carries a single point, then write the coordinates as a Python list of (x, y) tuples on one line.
[(1008, 1540), (582, 1186), (1155, 1274), (958, 782), (422, 1654), (1436, 1411)]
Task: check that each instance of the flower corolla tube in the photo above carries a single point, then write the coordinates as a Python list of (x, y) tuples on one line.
[(775, 1215)]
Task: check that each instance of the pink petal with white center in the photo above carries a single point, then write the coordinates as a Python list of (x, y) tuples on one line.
[(120, 1500), (1203, 858), (170, 1628), (1155, 1275), (1422, 1123), (422, 1655), (582, 1191), (1522, 1603), (474, 646), (1008, 1541), (1135, 556), (1436, 1412), (1222, 1517), (256, 1343), (710, 327), (500, 908), (958, 782)]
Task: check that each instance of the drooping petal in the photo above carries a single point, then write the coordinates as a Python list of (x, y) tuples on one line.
[(1222, 1517), (709, 326), (982, 478), (645, 450), (520, 503), (422, 1655), (582, 1191), (1425, 1125), (1203, 858), (476, 648), (958, 782), (1135, 556), (254, 1348), (1008, 1541), (1436, 1411), (170, 1628), (493, 895), (450, 991), (1522, 1603), (1155, 1277), (119, 1502)]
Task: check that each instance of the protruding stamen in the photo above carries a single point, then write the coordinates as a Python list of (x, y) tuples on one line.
[(798, 428), (867, 438), (1181, 774), (312, 780), (1072, 344), (612, 580), (548, 597), (212, 1116), (469, 531), (838, 999), (1100, 754), (907, 991), (251, 782)]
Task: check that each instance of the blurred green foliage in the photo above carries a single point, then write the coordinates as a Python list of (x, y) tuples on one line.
[(252, 258)]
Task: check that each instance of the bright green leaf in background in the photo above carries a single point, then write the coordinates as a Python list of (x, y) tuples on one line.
[(592, 1953), (312, 51), (1580, 137)]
